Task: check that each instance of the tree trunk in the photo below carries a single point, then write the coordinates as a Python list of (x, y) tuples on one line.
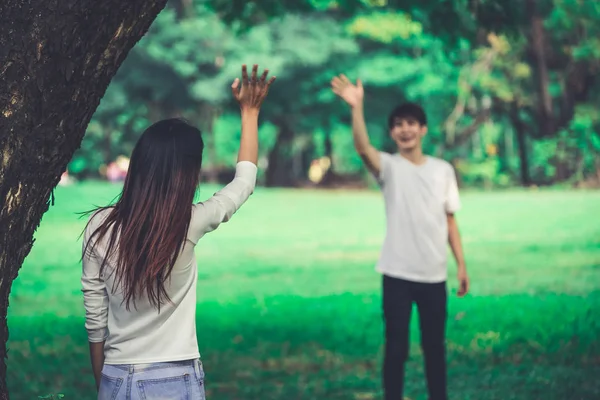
[(108, 158), (184, 8), (57, 58), (578, 77), (506, 150), (537, 39), (519, 127), (281, 167), (330, 174)]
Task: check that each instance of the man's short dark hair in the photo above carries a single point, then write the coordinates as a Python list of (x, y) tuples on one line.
[(407, 110)]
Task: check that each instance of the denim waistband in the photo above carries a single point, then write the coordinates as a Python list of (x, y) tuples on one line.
[(153, 366)]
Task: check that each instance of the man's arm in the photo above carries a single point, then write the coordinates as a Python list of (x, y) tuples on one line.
[(353, 95), (97, 357), (369, 154), (457, 250)]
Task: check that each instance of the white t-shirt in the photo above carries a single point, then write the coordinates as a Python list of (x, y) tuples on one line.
[(142, 334), (417, 200)]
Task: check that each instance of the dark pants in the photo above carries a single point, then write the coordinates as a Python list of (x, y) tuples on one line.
[(431, 300)]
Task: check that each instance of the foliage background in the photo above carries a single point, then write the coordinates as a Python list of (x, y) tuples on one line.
[(508, 103)]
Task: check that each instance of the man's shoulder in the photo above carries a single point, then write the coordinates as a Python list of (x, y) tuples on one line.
[(440, 162), (384, 153), (388, 160)]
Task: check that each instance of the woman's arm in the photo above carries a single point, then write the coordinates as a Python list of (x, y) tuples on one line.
[(95, 300), (250, 96), (208, 215), (97, 357)]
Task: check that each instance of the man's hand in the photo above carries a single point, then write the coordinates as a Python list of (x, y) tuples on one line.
[(253, 91), (463, 281), (351, 94)]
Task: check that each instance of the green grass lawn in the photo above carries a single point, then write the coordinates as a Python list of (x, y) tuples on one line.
[(289, 302)]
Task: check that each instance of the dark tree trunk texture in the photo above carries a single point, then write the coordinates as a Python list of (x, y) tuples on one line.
[(537, 42), (578, 80), (57, 58), (280, 171), (520, 131), (330, 175), (108, 157), (184, 8), (209, 114)]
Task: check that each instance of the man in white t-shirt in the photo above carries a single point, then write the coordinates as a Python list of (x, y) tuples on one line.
[(421, 198)]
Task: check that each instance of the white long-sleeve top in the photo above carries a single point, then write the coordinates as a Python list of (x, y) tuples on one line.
[(142, 334)]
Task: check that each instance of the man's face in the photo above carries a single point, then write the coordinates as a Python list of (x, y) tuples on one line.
[(407, 133)]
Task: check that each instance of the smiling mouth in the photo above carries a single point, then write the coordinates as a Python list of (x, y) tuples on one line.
[(407, 139)]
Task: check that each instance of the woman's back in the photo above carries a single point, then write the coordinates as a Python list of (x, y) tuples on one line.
[(143, 333)]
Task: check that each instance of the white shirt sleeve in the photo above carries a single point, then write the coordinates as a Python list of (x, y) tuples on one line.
[(385, 161), (452, 201), (208, 215), (95, 296)]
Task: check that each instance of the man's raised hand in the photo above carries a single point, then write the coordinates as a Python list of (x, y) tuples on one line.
[(351, 94)]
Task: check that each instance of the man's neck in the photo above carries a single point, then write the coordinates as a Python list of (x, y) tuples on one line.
[(415, 155)]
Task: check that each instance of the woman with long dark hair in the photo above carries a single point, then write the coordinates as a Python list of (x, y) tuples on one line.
[(139, 267)]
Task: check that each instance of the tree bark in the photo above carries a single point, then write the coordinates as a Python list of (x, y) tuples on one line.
[(330, 174), (184, 8), (280, 169), (538, 47), (521, 134), (553, 114), (57, 58)]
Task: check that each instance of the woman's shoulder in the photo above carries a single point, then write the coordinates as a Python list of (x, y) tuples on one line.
[(97, 217)]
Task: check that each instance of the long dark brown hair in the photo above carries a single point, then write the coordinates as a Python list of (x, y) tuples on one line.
[(147, 225)]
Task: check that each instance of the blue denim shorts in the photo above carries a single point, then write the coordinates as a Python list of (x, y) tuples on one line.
[(178, 380)]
